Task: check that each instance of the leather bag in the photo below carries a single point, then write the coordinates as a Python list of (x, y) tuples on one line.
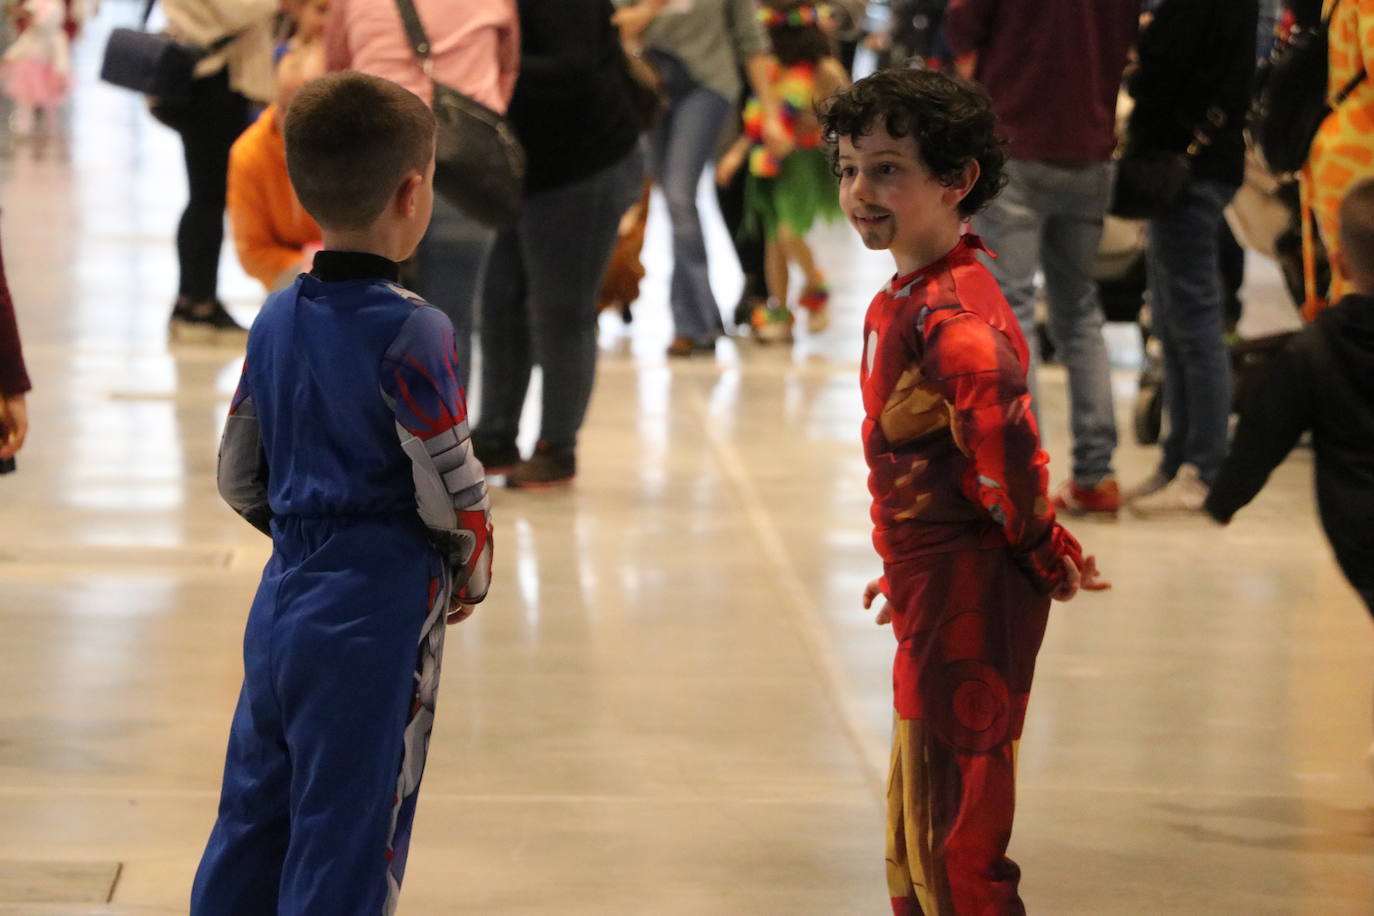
[(479, 162), (154, 63), (1291, 102)]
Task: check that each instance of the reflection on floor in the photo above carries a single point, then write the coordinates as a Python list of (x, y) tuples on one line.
[(672, 702)]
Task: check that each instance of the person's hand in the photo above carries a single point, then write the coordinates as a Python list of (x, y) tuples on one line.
[(871, 592), (775, 136), (14, 425), (1080, 578), (633, 20), (459, 611), (1073, 579), (878, 41), (1092, 580), (966, 64), (728, 164)]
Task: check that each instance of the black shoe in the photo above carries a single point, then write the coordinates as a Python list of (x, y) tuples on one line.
[(204, 322), (498, 454), (549, 466)]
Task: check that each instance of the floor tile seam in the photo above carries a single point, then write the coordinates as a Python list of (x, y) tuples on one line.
[(801, 610), (857, 796)]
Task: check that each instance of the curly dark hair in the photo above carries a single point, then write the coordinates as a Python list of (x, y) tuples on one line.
[(950, 119), (795, 44)]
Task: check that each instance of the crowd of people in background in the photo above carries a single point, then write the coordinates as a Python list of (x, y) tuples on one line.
[(738, 84), (605, 96)]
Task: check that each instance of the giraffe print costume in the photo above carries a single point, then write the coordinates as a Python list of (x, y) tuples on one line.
[(1343, 150)]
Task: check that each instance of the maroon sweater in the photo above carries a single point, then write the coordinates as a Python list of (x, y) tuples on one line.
[(1052, 67), (13, 378)]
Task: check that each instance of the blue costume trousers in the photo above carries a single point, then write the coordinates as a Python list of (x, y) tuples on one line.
[(341, 664)]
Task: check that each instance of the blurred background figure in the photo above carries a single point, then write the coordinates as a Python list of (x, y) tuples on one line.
[(574, 113), (1191, 91), (698, 49), (1341, 152), (784, 195), (1053, 70), (274, 237), (229, 83), (475, 49), (14, 379), (37, 67)]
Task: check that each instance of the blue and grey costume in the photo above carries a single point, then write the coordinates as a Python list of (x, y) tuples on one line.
[(347, 442)]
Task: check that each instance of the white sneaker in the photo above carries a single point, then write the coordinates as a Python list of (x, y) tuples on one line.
[(1185, 494), (1152, 484)]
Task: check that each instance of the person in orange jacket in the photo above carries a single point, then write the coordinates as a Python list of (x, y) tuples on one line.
[(274, 237)]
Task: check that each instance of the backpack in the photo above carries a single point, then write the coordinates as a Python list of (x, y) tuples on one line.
[(1290, 102)]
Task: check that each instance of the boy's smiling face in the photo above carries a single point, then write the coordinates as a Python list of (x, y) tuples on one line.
[(889, 195)]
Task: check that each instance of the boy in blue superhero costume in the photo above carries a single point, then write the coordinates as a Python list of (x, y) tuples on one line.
[(347, 442)]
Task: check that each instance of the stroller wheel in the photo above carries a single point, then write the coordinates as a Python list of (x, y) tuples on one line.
[(1149, 413)]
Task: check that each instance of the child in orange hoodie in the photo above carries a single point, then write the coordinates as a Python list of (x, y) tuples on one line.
[(274, 237)]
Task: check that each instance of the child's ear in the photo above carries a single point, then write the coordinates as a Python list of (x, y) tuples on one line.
[(408, 195), (967, 179)]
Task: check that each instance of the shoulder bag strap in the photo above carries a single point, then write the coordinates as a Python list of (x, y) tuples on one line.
[(147, 11), (419, 41), (1355, 80)]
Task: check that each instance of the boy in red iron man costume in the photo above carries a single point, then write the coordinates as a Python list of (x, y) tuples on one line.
[(972, 554)]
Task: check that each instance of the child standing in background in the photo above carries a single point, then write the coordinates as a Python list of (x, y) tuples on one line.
[(37, 67), (784, 195), (273, 235)]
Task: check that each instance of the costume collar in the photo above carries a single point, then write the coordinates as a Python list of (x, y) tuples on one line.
[(340, 266), (966, 249)]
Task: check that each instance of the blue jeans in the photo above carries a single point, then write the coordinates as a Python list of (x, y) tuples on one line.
[(449, 266), (539, 301), (1186, 307), (1051, 216), (681, 145)]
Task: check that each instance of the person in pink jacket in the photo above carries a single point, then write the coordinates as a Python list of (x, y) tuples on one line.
[(476, 50)]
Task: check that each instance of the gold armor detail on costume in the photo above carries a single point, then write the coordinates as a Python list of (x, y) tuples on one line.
[(912, 410)]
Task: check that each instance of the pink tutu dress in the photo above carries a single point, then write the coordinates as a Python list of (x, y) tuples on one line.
[(37, 67)]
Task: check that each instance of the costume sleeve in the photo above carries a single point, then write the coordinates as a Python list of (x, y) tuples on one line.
[(263, 256), (420, 383), (1275, 413), (968, 23), (976, 370), (746, 31), (243, 462), (14, 379)]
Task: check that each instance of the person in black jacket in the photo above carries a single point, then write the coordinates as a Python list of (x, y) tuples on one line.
[(1192, 89), (1322, 381), (574, 114)]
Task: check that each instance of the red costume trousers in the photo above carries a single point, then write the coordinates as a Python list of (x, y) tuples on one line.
[(969, 626)]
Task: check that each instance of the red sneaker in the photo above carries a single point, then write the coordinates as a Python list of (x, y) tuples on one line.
[(1103, 498)]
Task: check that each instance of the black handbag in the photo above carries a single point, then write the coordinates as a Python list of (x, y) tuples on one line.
[(1150, 181), (153, 63), (479, 162), (1290, 103)]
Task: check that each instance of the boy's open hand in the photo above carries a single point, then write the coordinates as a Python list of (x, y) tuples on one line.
[(1085, 577), (458, 612), (871, 591)]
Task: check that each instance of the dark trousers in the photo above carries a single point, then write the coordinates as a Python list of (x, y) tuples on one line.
[(539, 301), (208, 126)]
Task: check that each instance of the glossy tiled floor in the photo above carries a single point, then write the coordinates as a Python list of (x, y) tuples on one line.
[(672, 702)]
